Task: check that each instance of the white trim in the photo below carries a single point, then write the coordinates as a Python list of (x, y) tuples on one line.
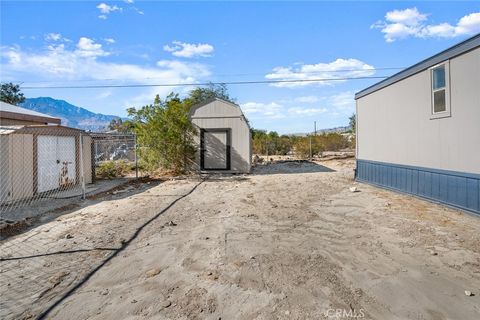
[(447, 113)]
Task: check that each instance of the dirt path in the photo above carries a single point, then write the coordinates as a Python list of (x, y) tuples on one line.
[(266, 246)]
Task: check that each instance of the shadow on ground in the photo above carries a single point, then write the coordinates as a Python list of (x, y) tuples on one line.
[(39, 211), (54, 260), (290, 167)]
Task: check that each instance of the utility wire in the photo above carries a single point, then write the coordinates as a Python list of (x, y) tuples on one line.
[(202, 84), (218, 75)]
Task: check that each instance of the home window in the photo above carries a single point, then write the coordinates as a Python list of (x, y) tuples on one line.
[(440, 90)]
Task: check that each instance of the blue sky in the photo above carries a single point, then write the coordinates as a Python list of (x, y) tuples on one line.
[(132, 42)]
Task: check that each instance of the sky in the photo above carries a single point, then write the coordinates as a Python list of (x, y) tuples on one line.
[(91, 43)]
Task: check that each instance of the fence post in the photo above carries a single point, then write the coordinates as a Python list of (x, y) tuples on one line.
[(310, 139), (82, 173), (136, 158)]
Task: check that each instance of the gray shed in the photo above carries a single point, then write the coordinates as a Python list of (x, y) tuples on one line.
[(224, 139), (40, 158)]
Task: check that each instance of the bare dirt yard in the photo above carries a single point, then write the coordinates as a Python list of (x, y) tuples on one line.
[(290, 241)]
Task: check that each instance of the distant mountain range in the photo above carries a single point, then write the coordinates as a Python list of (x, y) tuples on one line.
[(345, 129), (72, 116)]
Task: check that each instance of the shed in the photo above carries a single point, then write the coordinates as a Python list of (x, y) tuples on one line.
[(14, 115), (40, 158), (418, 131), (224, 139)]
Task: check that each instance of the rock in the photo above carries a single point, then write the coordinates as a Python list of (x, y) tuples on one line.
[(252, 257), (133, 301), (469, 293), (104, 292), (68, 236), (153, 272), (171, 224), (434, 253), (354, 189), (165, 303), (209, 273)]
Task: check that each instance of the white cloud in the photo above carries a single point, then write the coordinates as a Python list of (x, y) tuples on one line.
[(128, 1), (401, 24), (343, 103), (88, 48), (106, 9), (271, 110), (85, 61), (188, 50), (337, 69), (53, 37), (109, 40), (138, 11), (408, 16), (306, 111), (307, 99)]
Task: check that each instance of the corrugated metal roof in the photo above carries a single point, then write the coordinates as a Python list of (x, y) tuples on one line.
[(40, 129), (7, 107), (9, 129), (456, 50)]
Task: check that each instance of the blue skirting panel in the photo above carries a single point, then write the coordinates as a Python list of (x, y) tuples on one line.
[(458, 189)]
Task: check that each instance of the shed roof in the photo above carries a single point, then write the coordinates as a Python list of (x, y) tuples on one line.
[(40, 129), (456, 50), (9, 129), (11, 111), (206, 102)]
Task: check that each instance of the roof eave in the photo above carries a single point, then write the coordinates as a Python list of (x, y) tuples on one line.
[(452, 52)]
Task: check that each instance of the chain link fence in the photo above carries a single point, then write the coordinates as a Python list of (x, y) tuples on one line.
[(47, 163), (44, 172), (115, 155), (41, 163)]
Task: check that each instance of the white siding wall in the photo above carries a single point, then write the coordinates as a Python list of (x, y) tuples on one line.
[(16, 162), (4, 167), (394, 124), (87, 158)]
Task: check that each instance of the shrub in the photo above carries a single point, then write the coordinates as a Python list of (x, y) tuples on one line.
[(112, 169)]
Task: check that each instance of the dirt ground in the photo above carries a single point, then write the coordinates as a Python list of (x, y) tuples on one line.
[(290, 241)]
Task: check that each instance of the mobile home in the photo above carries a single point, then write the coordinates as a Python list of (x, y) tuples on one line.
[(418, 131)]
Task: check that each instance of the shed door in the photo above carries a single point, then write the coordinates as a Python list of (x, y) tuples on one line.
[(56, 162), (215, 149)]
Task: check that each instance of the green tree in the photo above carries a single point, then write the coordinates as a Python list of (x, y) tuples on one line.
[(201, 94), (121, 126), (165, 134), (271, 142), (353, 122), (10, 93), (164, 131)]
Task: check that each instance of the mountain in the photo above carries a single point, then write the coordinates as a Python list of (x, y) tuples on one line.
[(346, 129), (72, 116)]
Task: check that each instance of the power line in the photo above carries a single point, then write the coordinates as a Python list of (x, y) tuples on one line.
[(220, 75), (203, 84)]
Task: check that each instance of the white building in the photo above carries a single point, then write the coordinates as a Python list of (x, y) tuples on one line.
[(418, 131), (224, 139), (38, 155)]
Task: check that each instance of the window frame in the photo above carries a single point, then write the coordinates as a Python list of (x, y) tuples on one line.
[(447, 112)]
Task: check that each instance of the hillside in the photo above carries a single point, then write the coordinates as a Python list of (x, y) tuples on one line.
[(71, 115)]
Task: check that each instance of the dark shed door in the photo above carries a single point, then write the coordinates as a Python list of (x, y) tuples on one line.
[(215, 149)]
